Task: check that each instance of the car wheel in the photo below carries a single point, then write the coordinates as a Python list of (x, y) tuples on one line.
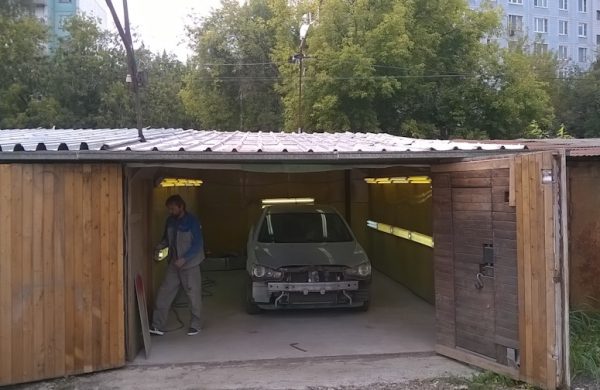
[(250, 306)]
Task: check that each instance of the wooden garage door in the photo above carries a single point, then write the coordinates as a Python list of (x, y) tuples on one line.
[(509, 318), (542, 261), (61, 270)]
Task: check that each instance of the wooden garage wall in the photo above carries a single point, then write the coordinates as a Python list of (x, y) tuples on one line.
[(61, 270), (584, 236)]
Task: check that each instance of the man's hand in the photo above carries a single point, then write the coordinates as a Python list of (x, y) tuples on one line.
[(179, 262)]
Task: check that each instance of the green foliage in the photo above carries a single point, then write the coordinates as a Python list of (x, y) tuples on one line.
[(230, 82), (22, 64), (585, 344), (426, 69), (578, 103), (81, 83), (490, 380)]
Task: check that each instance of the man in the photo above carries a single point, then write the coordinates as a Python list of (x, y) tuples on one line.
[(183, 237)]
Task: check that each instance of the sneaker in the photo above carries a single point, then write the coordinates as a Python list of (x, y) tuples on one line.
[(193, 331), (156, 331)]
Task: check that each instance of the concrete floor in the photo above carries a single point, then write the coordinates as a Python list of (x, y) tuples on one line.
[(398, 322)]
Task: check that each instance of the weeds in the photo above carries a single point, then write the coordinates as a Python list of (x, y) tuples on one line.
[(491, 380), (585, 344)]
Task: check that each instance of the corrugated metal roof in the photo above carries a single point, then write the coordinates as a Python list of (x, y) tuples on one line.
[(174, 140)]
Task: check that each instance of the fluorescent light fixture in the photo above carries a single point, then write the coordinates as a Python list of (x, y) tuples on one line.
[(399, 180), (401, 233), (268, 202), (179, 182), (372, 224)]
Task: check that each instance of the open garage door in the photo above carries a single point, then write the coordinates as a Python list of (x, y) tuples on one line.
[(498, 233), (228, 202)]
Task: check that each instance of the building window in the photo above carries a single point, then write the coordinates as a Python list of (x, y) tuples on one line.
[(62, 20), (563, 4), (540, 3), (598, 40), (598, 15), (582, 5), (540, 48), (515, 24), (582, 29), (582, 54), (540, 25), (563, 27), (563, 52), (515, 2), (64, 1)]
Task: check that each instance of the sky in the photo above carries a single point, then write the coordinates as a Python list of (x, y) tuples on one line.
[(161, 24)]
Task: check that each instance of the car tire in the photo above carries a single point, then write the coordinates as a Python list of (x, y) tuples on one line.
[(251, 307)]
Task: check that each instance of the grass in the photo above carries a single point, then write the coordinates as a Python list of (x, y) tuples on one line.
[(491, 380), (585, 344)]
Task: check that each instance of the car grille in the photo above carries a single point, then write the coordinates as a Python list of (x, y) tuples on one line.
[(308, 276)]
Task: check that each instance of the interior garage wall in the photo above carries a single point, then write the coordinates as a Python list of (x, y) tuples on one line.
[(584, 236), (139, 254), (61, 270), (229, 202), (407, 206)]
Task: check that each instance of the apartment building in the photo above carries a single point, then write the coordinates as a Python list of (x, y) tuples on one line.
[(55, 12), (570, 28)]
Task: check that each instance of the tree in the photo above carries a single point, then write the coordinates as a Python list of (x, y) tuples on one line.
[(161, 104), (420, 68), (230, 81), (578, 103), (23, 64)]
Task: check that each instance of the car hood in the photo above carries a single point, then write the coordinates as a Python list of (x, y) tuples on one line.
[(336, 253)]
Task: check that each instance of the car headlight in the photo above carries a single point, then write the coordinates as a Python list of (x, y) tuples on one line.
[(362, 270), (262, 272)]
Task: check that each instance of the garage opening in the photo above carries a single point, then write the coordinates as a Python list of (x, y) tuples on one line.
[(389, 211)]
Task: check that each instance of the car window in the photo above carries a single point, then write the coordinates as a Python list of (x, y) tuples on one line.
[(303, 227)]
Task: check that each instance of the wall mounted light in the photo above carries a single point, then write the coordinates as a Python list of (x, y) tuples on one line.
[(179, 182), (274, 201), (399, 180), (420, 238), (547, 176)]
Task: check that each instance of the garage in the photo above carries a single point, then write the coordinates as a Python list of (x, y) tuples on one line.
[(397, 311), (444, 224)]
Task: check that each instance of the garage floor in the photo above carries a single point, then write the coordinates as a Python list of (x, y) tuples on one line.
[(397, 322)]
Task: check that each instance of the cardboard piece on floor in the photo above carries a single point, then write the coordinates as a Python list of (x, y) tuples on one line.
[(141, 300)]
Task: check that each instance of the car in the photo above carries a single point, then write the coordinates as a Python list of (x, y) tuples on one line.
[(305, 256)]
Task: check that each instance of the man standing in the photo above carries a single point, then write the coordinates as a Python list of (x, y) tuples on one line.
[(183, 237)]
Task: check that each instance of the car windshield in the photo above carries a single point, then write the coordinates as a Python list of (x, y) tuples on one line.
[(304, 228)]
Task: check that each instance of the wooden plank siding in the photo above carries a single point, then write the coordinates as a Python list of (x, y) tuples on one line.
[(538, 259), (471, 203), (55, 289), (443, 254)]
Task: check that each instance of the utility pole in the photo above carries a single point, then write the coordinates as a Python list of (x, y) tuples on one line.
[(301, 63), (125, 34)]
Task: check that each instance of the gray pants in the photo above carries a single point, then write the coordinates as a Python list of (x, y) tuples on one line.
[(191, 281)]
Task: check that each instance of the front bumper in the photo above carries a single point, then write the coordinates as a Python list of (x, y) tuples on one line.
[(286, 295)]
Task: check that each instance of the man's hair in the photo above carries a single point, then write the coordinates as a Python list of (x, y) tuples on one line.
[(176, 200)]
